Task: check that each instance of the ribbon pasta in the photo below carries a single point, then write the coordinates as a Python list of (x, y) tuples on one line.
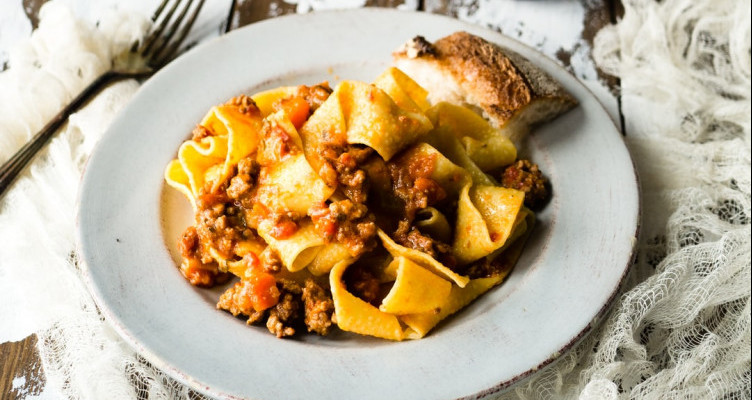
[(381, 199), (359, 113), (232, 136), (484, 144)]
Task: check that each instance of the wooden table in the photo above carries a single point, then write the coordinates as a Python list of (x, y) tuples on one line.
[(21, 371)]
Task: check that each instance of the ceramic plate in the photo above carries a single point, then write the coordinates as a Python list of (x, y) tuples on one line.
[(129, 220)]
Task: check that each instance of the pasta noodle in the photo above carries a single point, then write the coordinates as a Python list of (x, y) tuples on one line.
[(486, 216), (485, 145), (363, 207)]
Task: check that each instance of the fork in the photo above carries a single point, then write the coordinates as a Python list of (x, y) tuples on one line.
[(142, 60)]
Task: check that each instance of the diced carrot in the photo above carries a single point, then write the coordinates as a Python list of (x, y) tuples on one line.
[(296, 109), (264, 292)]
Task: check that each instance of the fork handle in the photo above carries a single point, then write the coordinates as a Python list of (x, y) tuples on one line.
[(11, 168)]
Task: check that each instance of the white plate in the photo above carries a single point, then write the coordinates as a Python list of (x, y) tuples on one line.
[(567, 276)]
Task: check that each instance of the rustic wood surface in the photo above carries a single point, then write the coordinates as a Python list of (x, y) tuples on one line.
[(21, 371)]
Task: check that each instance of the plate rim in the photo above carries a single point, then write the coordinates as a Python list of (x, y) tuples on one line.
[(498, 388)]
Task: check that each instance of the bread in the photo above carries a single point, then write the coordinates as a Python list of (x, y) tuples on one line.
[(504, 87)]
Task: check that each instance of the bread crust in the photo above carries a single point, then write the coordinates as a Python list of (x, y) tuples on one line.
[(506, 86)]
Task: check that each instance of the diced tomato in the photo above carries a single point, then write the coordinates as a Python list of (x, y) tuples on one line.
[(323, 221), (188, 242), (431, 188), (284, 229), (326, 228), (196, 273), (252, 260), (198, 277), (318, 210)]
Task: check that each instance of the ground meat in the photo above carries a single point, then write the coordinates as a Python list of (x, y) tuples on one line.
[(316, 95), (237, 302), (242, 183), (232, 301), (525, 176), (245, 105), (275, 145), (202, 274), (239, 185), (412, 183), (412, 238), (319, 308), (200, 132), (196, 271), (286, 315), (345, 222), (312, 305), (485, 268), (219, 224), (344, 162), (270, 261), (281, 318), (353, 185), (363, 283)]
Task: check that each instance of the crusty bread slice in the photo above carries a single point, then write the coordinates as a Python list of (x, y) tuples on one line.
[(504, 87)]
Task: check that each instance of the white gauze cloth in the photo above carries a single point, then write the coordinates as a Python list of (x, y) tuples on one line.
[(681, 329), (41, 290)]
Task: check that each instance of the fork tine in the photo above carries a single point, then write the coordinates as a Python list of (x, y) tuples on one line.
[(155, 34), (154, 17), (170, 31), (159, 10), (174, 47)]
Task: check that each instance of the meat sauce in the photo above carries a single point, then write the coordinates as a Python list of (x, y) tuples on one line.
[(524, 175), (228, 215), (372, 194)]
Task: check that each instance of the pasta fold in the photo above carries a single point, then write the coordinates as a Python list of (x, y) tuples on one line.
[(293, 186), (356, 315), (359, 113), (422, 259), (420, 324), (241, 131), (265, 100), (296, 251), (327, 257), (415, 289), (486, 216), (405, 92), (450, 176), (484, 144), (433, 222), (443, 140), (210, 160)]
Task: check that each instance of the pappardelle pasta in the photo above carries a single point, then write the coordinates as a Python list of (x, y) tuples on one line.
[(362, 207)]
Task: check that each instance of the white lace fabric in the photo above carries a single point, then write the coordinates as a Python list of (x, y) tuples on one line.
[(679, 330)]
